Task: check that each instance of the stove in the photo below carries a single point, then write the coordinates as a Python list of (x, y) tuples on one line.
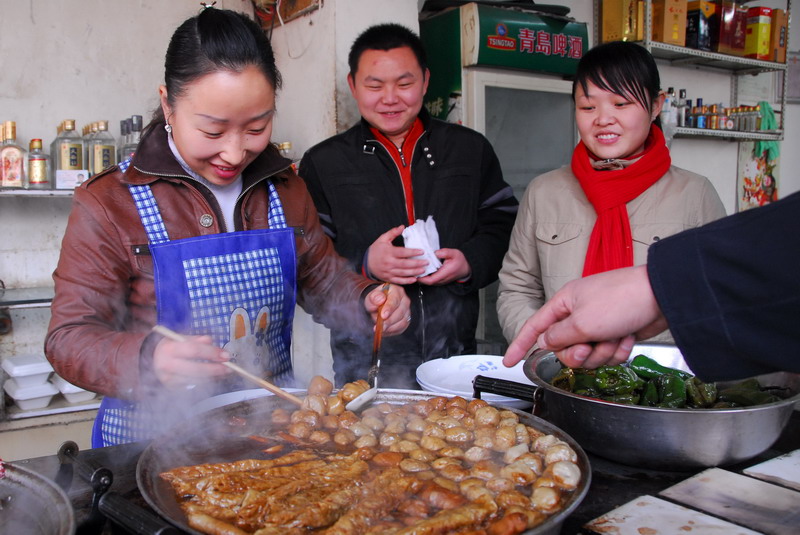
[(613, 485)]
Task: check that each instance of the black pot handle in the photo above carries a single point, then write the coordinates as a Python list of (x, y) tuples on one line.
[(511, 389)]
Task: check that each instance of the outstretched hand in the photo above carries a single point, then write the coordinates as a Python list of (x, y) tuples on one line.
[(594, 320)]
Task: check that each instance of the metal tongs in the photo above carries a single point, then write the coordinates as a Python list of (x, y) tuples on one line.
[(367, 396)]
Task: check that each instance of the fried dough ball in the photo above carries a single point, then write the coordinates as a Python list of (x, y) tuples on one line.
[(458, 435), (454, 472), (475, 404), (413, 465), (433, 430), (533, 460), (405, 446), (351, 391), (546, 499), (319, 385), (335, 405), (423, 455), (565, 474), (487, 416), (545, 441), (512, 498), (560, 452), (504, 438), (500, 484), (317, 403), (432, 443), (415, 424), (373, 422), (348, 419), (343, 437), (387, 439), (330, 422), (485, 470), (319, 437), (300, 429), (451, 451), (476, 453), (518, 472), (474, 488)]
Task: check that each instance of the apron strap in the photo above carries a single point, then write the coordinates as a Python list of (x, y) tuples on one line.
[(277, 219), (149, 213)]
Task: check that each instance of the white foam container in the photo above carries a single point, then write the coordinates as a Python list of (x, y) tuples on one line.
[(28, 370), (30, 397), (72, 393)]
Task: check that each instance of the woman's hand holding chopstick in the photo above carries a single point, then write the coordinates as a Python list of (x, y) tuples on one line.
[(180, 361)]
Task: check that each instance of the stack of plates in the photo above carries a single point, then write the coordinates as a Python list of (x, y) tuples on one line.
[(454, 375)]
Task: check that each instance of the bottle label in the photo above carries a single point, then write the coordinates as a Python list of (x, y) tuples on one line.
[(11, 167), (37, 171), (104, 157), (71, 156)]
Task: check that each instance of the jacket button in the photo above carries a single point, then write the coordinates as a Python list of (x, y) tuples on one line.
[(554, 236), (206, 220), (425, 149), (656, 238), (429, 156), (431, 163)]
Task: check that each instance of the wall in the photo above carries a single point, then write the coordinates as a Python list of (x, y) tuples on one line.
[(95, 59)]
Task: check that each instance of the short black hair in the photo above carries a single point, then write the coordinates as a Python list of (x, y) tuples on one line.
[(386, 37), (623, 68)]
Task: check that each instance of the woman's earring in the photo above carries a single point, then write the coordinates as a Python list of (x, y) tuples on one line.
[(168, 128)]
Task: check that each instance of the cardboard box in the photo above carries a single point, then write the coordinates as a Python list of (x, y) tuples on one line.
[(757, 40), (732, 28), (669, 21), (779, 28), (702, 21), (621, 20)]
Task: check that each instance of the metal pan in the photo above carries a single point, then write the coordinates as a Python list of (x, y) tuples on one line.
[(218, 436), (658, 438), (32, 504)]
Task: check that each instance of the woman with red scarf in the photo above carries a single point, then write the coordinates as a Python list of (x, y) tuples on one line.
[(620, 193)]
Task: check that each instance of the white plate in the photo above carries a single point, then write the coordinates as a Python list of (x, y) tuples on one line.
[(235, 397), (454, 376)]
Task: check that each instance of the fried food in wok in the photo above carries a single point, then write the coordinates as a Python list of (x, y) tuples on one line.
[(443, 465)]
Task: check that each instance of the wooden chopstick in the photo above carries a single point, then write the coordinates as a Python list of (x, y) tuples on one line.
[(278, 391)]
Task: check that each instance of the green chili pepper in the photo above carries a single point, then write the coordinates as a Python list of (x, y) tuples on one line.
[(648, 368), (650, 394), (615, 380), (564, 379), (700, 394), (671, 391), (585, 385), (746, 394), (625, 399)]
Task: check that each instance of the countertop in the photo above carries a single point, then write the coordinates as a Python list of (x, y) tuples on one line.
[(612, 485)]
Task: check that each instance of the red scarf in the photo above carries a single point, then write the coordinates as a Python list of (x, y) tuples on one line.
[(611, 244)]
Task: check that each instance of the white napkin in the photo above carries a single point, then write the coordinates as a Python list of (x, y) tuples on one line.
[(423, 235)]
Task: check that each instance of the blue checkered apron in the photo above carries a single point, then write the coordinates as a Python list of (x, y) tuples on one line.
[(237, 287)]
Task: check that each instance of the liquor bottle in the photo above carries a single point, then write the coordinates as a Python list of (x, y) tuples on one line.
[(38, 176), (12, 158), (681, 108), (102, 149), (124, 132), (135, 136), (70, 170)]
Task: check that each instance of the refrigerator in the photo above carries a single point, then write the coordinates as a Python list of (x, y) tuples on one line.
[(506, 73)]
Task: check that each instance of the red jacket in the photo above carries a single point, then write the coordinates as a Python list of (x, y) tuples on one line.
[(99, 336)]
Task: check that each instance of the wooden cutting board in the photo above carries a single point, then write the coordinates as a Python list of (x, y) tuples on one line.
[(783, 470), (740, 499), (647, 515)]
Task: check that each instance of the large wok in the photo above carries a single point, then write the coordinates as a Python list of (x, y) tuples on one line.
[(32, 504), (658, 438), (212, 438)]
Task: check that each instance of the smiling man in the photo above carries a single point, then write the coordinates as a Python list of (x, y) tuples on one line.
[(396, 166)]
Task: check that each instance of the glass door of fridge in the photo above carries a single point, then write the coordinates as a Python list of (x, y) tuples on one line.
[(529, 120)]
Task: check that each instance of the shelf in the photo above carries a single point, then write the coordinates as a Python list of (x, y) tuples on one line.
[(683, 56), (729, 134), (26, 297), (59, 405), (36, 192)]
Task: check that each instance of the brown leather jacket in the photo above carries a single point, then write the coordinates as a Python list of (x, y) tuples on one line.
[(99, 336)]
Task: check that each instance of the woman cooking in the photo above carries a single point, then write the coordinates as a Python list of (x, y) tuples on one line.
[(620, 194), (207, 231)]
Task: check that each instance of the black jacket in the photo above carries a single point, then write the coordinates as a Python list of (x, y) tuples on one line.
[(730, 291), (456, 178)]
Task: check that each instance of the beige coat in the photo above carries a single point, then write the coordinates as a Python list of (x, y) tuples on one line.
[(551, 235)]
